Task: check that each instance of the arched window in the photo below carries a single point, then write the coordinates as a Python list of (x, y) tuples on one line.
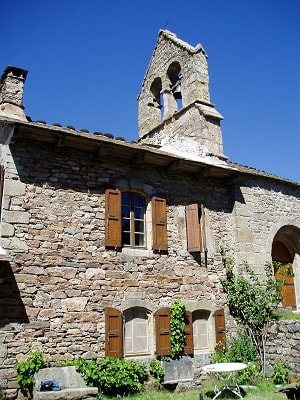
[(201, 330), (133, 219), (136, 331)]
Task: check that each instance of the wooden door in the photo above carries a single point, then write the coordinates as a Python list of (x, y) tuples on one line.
[(281, 254)]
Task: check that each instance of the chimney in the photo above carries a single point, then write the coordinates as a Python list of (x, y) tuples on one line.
[(11, 93)]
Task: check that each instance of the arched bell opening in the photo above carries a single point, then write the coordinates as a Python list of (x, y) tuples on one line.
[(175, 76), (157, 97)]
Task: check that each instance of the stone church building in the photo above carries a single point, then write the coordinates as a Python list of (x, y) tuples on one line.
[(99, 236)]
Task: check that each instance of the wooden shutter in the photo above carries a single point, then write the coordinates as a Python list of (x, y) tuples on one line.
[(163, 332), (159, 224), (220, 328), (193, 229), (189, 345), (113, 333), (113, 236)]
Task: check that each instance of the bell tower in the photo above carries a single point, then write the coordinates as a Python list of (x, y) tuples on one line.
[(175, 112)]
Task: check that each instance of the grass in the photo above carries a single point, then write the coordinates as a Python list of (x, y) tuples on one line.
[(288, 315), (262, 392)]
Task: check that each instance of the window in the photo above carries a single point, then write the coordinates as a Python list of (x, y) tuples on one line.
[(136, 332), (127, 334), (199, 331), (125, 220), (133, 219)]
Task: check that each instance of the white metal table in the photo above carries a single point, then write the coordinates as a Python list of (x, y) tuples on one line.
[(225, 372)]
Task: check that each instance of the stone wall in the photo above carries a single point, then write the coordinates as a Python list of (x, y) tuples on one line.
[(284, 344), (178, 134), (60, 277), (262, 207)]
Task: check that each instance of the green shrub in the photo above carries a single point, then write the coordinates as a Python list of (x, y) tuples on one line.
[(27, 369), (65, 363), (241, 349), (156, 370), (250, 375), (281, 372), (113, 376)]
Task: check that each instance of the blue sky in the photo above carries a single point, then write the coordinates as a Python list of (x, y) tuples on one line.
[(87, 59)]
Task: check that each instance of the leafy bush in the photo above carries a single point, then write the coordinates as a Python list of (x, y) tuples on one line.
[(27, 369), (281, 372), (241, 349), (250, 375), (178, 310), (113, 376), (156, 370), (65, 363)]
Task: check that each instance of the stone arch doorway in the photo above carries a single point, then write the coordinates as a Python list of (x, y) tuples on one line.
[(286, 250)]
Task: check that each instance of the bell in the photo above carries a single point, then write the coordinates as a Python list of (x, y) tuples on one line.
[(177, 92), (3, 254)]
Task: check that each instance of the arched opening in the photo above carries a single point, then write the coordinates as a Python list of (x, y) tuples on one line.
[(136, 331), (175, 75), (158, 103), (284, 248)]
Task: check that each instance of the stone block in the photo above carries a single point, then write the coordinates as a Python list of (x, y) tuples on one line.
[(74, 304), (16, 217), (7, 230), (178, 370), (14, 188), (71, 383)]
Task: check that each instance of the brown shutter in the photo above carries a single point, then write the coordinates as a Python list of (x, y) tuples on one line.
[(159, 224), (189, 345), (113, 218), (163, 332), (113, 333), (220, 328), (193, 228), (203, 229)]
